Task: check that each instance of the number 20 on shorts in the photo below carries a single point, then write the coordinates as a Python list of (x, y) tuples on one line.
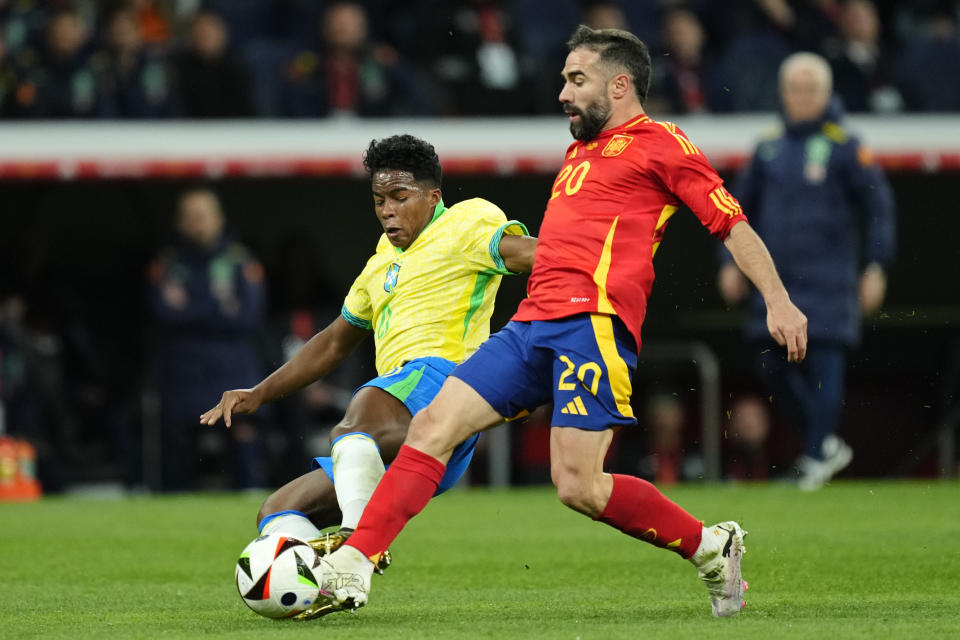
[(570, 179), (587, 369)]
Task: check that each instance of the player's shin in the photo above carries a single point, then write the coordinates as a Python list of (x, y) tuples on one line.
[(403, 492), (357, 468), (638, 509)]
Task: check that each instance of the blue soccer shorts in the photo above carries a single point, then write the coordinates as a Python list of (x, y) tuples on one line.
[(415, 384), (583, 364)]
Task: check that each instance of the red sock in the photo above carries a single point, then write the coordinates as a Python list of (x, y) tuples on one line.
[(403, 492), (638, 509)]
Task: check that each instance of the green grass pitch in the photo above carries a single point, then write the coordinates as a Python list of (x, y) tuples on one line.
[(856, 560)]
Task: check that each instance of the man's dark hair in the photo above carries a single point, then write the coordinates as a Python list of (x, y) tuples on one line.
[(617, 48), (404, 153)]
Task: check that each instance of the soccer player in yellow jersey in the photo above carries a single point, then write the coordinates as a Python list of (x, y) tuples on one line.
[(426, 295)]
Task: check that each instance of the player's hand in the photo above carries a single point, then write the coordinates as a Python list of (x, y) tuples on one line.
[(235, 401), (873, 288), (732, 284), (788, 326)]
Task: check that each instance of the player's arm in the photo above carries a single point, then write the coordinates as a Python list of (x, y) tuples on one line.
[(730, 281), (517, 252), (322, 353), (785, 321)]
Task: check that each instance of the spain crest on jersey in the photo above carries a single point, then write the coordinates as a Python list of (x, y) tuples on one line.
[(391, 280), (616, 145)]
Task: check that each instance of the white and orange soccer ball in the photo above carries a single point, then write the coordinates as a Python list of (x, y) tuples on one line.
[(279, 576)]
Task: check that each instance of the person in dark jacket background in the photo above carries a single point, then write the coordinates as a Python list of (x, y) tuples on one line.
[(212, 80), (207, 299), (822, 206)]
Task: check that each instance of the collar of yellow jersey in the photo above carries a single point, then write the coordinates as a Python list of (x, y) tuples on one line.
[(437, 212)]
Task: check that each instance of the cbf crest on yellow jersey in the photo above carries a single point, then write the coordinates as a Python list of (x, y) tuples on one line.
[(434, 298)]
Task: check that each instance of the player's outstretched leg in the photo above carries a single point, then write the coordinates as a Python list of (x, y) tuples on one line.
[(718, 563)]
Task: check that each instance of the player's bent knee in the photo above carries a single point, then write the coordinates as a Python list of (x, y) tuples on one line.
[(429, 434), (272, 504), (578, 494)]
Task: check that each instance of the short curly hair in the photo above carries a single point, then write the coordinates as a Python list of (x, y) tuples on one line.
[(404, 153)]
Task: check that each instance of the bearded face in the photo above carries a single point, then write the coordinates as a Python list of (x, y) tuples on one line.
[(587, 123)]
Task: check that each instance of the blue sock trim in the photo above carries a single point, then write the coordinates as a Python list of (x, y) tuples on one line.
[(355, 433), (288, 512)]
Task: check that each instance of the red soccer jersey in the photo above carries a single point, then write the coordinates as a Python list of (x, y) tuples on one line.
[(607, 213)]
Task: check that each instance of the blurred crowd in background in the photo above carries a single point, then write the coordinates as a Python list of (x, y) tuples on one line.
[(98, 407), (320, 58)]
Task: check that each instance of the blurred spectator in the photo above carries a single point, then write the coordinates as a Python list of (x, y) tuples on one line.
[(800, 24), (862, 70), (747, 429), (153, 21), (545, 30), (207, 300), (807, 192), (347, 74), (475, 57), (8, 83), (596, 15), (929, 67), (685, 79), (136, 82), (604, 15), (63, 84), (474, 51), (32, 390), (21, 27), (212, 82)]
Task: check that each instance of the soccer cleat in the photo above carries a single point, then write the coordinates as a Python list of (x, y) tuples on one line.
[(332, 596), (323, 606), (837, 454), (327, 543), (346, 575), (330, 542), (718, 563)]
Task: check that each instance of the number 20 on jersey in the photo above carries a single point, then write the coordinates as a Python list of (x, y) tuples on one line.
[(570, 179)]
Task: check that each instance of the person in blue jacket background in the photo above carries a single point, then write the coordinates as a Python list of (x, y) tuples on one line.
[(822, 206), (207, 300)]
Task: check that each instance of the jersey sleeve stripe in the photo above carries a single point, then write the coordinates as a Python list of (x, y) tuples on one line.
[(731, 207), (729, 199), (511, 227), (354, 320), (720, 205), (688, 147)]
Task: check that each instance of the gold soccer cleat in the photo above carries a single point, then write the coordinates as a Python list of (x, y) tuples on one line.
[(323, 606), (330, 542)]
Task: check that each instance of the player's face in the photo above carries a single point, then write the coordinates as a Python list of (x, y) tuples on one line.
[(584, 95), (804, 95), (403, 205)]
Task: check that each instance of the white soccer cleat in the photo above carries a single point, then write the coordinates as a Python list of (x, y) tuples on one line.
[(346, 575), (718, 563)]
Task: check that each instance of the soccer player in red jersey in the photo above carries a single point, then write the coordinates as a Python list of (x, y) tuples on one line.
[(574, 339)]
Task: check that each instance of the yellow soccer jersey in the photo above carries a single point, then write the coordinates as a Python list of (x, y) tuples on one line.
[(434, 298)]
